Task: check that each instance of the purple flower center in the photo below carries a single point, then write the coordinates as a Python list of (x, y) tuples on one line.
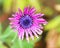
[(26, 21)]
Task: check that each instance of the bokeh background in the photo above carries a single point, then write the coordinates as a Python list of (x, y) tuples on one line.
[(51, 33)]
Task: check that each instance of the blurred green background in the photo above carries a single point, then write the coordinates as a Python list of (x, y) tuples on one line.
[(51, 33)]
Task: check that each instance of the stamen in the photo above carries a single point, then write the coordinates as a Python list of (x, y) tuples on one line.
[(26, 21)]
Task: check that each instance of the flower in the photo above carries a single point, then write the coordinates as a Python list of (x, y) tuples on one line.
[(27, 23)]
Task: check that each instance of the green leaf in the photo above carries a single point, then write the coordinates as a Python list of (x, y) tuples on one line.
[(23, 43), (53, 23), (8, 36), (58, 28), (6, 33), (30, 44)]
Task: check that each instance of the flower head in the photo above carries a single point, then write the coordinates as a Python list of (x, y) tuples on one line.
[(27, 23)]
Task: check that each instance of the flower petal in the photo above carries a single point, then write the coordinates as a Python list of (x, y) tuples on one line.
[(14, 15), (42, 21), (38, 15), (38, 31), (26, 10), (13, 19), (35, 33), (20, 33), (20, 12), (33, 30), (32, 11), (27, 38), (31, 35)]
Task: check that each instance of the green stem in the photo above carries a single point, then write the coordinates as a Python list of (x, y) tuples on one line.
[(14, 37), (0, 28), (20, 43)]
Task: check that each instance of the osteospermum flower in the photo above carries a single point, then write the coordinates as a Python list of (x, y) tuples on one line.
[(28, 23)]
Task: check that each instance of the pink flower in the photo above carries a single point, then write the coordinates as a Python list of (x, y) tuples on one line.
[(27, 23)]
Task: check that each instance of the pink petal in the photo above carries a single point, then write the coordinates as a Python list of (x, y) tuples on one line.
[(42, 21), (38, 31), (14, 22), (27, 38), (14, 15), (38, 15), (33, 28), (35, 33), (35, 24), (20, 33), (20, 12), (40, 26), (31, 35), (13, 19), (26, 10), (18, 15), (32, 10), (16, 26)]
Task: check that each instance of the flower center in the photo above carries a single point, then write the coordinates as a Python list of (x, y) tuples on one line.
[(26, 21)]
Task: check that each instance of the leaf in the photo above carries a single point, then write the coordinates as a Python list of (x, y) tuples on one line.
[(23, 43), (58, 29), (53, 23), (30, 44), (6, 33), (8, 36)]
